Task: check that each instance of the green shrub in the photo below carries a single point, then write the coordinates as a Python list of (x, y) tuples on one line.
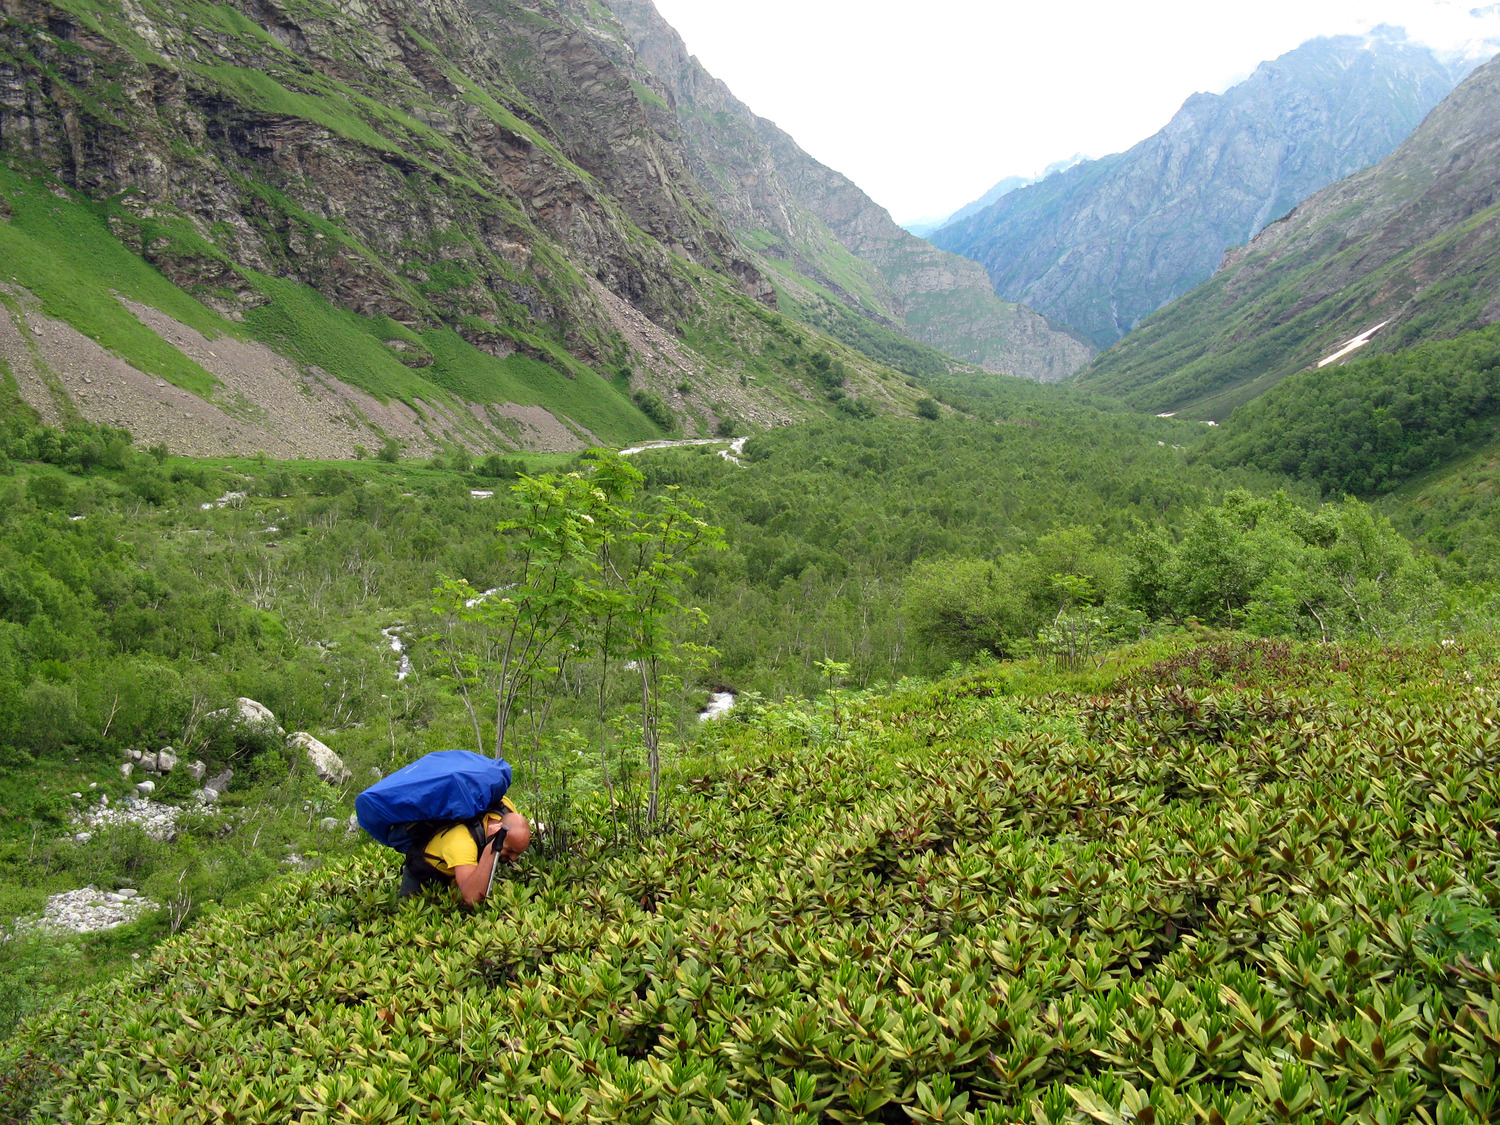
[(652, 406)]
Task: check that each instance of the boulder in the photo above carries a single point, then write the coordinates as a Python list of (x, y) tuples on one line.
[(324, 761), (247, 711), (126, 768), (197, 770), (207, 795), (329, 823), (146, 788), (219, 783), (166, 760)]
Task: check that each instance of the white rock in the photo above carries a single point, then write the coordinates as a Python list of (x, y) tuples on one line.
[(375, 773), (198, 770), (76, 796), (328, 765), (126, 768), (247, 711), (133, 755), (166, 761), (329, 823), (93, 785), (207, 796), (82, 837), (128, 892), (146, 788)]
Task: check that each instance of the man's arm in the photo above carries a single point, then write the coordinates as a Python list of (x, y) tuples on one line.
[(474, 879)]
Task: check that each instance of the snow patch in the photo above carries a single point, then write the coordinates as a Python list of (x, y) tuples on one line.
[(1353, 345)]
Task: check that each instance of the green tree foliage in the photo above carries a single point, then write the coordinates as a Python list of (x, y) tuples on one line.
[(79, 447), (828, 520), (1365, 427), (590, 574), (1279, 569)]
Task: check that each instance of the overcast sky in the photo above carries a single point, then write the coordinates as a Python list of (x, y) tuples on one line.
[(926, 103)]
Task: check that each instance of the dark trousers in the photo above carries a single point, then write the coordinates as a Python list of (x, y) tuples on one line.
[(415, 877)]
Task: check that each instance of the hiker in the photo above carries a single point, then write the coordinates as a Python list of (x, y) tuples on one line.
[(465, 854), (447, 813)]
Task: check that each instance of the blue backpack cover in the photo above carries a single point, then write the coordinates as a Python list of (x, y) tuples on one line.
[(446, 785)]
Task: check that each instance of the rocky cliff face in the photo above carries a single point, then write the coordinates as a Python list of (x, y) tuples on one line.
[(811, 225), (1108, 242), (481, 169), (1411, 244), (404, 128)]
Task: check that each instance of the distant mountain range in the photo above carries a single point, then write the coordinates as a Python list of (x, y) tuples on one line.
[(926, 228), (1108, 242), (1405, 251)]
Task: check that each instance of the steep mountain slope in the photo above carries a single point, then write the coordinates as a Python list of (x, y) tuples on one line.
[(822, 240), (1412, 244), (423, 204), (1107, 243)]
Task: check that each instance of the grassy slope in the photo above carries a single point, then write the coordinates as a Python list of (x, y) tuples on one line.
[(971, 902), (1202, 359), (1411, 240), (62, 250)]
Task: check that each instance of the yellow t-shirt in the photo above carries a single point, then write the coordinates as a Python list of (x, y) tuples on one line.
[(454, 847)]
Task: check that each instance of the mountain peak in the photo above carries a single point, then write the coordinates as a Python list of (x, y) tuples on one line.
[(1108, 243)]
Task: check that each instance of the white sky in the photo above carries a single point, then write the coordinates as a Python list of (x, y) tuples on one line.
[(927, 103)]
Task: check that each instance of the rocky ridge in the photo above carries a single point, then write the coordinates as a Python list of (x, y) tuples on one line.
[(1410, 246), (1104, 244), (474, 189)]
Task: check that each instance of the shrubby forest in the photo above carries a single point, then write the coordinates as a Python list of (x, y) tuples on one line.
[(142, 593), (1364, 427)]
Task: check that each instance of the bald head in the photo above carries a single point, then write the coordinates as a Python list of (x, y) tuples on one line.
[(517, 836)]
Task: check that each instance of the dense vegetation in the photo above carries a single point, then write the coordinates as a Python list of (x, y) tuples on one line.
[(1365, 427), (141, 592), (1250, 883)]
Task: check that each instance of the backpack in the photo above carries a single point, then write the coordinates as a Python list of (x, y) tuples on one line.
[(405, 810)]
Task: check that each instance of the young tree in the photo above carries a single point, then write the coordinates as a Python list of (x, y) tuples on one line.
[(593, 573)]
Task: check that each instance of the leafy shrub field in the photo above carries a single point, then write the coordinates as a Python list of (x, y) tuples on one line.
[(1228, 902)]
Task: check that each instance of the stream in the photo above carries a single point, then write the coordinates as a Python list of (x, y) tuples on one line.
[(720, 703), (398, 646), (733, 447)]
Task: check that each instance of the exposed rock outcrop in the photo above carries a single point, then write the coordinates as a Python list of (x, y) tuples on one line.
[(328, 766)]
